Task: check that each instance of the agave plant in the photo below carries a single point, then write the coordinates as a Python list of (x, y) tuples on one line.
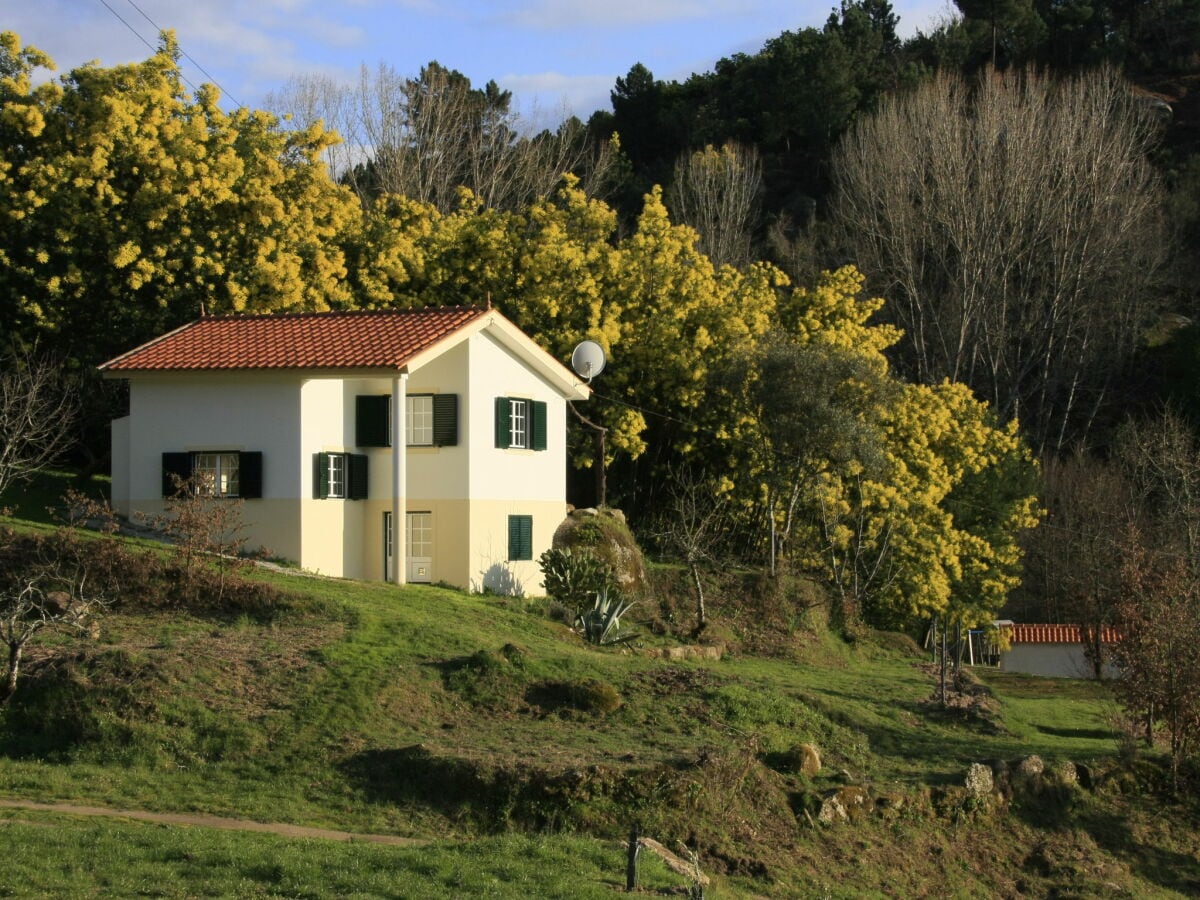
[(601, 623)]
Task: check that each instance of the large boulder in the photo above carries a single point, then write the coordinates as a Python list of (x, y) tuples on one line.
[(604, 534)]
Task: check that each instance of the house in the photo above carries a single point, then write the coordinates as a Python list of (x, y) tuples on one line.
[(402, 445), (1055, 651)]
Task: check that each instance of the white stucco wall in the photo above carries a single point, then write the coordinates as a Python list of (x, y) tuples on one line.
[(1051, 661), (218, 411)]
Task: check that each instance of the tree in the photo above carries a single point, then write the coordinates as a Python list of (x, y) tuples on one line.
[(1014, 227), (692, 527), (129, 207), (427, 137), (717, 192), (38, 409), (43, 588)]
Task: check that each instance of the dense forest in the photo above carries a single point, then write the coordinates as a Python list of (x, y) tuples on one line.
[(887, 303)]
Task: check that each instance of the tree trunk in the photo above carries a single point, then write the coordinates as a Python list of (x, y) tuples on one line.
[(701, 619), (15, 651)]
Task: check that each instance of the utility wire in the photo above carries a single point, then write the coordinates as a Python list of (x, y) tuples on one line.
[(154, 49)]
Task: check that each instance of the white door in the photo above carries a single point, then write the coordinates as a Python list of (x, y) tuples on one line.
[(387, 546), (420, 547)]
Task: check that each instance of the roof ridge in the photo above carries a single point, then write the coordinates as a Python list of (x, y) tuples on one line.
[(332, 313)]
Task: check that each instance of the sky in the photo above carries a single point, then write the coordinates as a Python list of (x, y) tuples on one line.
[(556, 56)]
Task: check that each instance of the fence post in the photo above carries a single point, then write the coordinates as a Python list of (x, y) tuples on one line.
[(631, 856)]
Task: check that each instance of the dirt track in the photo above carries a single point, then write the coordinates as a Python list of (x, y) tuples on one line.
[(294, 831)]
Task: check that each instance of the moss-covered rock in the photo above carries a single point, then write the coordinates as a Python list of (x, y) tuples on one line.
[(604, 534)]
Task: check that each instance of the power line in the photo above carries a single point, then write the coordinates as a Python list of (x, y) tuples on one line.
[(154, 49)]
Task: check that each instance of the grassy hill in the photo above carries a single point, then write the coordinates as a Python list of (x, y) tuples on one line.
[(519, 758)]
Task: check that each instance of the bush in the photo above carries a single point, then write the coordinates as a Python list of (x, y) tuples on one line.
[(574, 577)]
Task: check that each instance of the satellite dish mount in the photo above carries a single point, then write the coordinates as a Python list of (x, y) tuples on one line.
[(588, 361)]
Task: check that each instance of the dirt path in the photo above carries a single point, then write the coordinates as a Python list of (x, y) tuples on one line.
[(227, 824)]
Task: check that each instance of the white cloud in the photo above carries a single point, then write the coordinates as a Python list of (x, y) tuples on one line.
[(554, 96)]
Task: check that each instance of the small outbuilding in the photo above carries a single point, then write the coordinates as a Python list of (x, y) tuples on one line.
[(1054, 651)]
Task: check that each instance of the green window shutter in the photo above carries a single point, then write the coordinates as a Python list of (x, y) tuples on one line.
[(320, 476), (537, 424), (502, 422), (445, 420), (356, 476), (178, 465), (250, 467), (371, 420), (520, 537)]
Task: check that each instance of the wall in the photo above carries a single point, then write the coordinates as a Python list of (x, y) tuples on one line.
[(1051, 660), (218, 411)]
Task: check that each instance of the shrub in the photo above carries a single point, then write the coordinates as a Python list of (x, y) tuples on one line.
[(601, 623), (574, 577)]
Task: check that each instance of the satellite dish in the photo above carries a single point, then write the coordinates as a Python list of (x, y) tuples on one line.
[(588, 360)]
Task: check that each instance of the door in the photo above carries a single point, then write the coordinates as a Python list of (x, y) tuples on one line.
[(420, 547), (387, 546)]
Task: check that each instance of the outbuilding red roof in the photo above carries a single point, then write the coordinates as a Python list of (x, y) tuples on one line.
[(1057, 634), (335, 340)]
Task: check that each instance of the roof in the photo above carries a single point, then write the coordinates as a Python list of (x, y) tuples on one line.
[(1056, 634), (333, 340)]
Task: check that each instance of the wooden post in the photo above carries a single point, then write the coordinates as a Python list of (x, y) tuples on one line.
[(631, 856)]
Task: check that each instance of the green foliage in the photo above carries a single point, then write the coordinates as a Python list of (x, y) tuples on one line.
[(574, 577), (601, 624)]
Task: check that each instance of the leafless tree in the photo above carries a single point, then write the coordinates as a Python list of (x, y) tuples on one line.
[(45, 590), (427, 137), (718, 192), (693, 526), (38, 408), (1014, 224)]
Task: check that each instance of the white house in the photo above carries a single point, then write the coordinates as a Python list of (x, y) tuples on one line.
[(406, 445), (1055, 651)]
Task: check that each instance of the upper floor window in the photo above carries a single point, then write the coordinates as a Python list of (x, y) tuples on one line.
[(520, 423), (431, 420)]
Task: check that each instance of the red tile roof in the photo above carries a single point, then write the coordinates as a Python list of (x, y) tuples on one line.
[(1056, 634), (337, 340)]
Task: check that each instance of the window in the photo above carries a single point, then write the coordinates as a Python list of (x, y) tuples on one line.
[(517, 419), (339, 476), (336, 476), (520, 423), (419, 420), (520, 537), (219, 473), (431, 420)]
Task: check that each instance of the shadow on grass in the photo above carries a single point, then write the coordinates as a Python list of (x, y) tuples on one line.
[(1167, 868), (1096, 734)]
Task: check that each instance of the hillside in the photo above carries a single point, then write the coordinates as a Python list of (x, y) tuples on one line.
[(482, 726)]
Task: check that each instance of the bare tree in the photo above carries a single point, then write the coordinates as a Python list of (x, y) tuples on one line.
[(718, 193), (427, 137), (41, 591), (1014, 225), (693, 527), (38, 408)]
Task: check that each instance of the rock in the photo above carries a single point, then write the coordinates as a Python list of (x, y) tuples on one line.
[(604, 534), (832, 811), (979, 781), (1066, 773), (805, 759), (1031, 767)]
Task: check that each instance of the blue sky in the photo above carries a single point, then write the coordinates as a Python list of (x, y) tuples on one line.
[(552, 54)]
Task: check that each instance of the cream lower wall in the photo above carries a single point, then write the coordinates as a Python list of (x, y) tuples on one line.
[(490, 566), (120, 465), (270, 525), (451, 520)]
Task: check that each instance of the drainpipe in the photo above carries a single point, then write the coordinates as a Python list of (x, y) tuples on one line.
[(399, 479)]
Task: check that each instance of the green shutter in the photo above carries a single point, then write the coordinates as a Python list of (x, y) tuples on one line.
[(502, 423), (178, 465), (445, 420), (371, 420), (537, 424), (320, 476), (250, 468), (520, 537), (356, 476)]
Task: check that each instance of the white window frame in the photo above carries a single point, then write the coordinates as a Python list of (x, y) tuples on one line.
[(216, 474), (337, 476), (518, 423), (419, 420)]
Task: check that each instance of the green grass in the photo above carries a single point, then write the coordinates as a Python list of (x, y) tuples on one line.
[(48, 854), (431, 713)]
